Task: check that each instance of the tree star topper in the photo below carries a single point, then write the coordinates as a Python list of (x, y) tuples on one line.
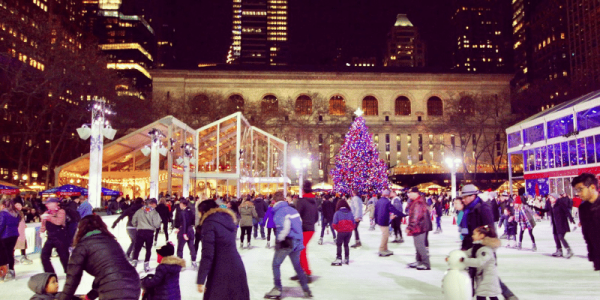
[(359, 112)]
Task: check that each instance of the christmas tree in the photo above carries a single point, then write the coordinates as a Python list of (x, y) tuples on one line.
[(357, 166)]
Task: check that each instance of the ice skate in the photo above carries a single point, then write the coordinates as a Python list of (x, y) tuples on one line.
[(248, 246), (275, 293), (10, 275), (569, 253), (308, 294), (242, 245), (558, 253), (358, 244), (386, 253), (146, 267), (134, 263), (518, 246), (268, 245), (422, 267), (321, 241), (401, 240), (337, 262), (195, 265), (534, 248), (413, 265), (26, 261), (346, 261), (504, 236)]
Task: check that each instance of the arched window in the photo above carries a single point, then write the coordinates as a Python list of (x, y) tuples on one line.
[(237, 102), (269, 104), (370, 106), (466, 105), (435, 107), (337, 105), (200, 104), (402, 106), (304, 105)]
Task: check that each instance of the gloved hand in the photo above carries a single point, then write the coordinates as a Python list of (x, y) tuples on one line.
[(114, 225)]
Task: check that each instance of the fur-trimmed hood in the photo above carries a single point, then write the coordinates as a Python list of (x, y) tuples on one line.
[(247, 204), (493, 243), (173, 260), (218, 210)]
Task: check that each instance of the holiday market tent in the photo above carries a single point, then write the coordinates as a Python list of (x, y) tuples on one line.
[(322, 187), (8, 189), (230, 154), (73, 190)]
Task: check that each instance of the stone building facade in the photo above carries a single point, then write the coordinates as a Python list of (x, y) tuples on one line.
[(400, 108)]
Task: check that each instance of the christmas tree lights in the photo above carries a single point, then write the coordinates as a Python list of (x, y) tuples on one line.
[(357, 166)]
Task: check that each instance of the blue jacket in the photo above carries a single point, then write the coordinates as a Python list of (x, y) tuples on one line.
[(9, 224), (343, 220), (383, 208), (85, 209), (288, 224), (268, 219)]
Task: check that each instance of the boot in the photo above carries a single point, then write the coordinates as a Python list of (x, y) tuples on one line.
[(268, 245), (534, 248), (146, 267), (26, 261), (347, 261), (356, 245), (275, 293), (519, 246), (558, 253), (134, 263), (568, 255), (337, 262), (321, 241)]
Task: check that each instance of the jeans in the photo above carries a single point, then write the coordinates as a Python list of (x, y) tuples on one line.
[(438, 222), (131, 232), (558, 238), (190, 242), (279, 257), (343, 238), (262, 229), (303, 259), (385, 234), (530, 235), (165, 229), (143, 238), (422, 256), (324, 224), (245, 230), (63, 253)]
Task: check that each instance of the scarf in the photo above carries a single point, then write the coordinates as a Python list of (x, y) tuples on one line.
[(467, 210)]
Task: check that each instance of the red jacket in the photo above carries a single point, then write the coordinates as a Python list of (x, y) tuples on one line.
[(419, 220)]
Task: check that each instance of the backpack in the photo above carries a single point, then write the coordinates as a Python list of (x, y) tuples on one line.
[(71, 215), (529, 215)]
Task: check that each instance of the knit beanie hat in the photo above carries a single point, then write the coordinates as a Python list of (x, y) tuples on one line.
[(166, 250)]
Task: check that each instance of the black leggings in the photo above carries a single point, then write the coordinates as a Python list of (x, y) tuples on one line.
[(166, 229), (343, 239), (396, 226), (9, 243), (558, 238), (530, 235), (269, 234), (246, 230), (356, 236), (143, 238)]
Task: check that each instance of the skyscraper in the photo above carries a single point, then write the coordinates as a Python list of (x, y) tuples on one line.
[(404, 45), (259, 34), (584, 42), (481, 30)]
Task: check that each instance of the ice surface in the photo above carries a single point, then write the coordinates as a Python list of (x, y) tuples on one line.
[(530, 275)]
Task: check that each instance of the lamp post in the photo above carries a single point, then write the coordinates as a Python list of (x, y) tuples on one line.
[(300, 164), (100, 129), (188, 153), (156, 148), (453, 164)]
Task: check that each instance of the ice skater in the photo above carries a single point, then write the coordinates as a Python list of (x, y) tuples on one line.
[(344, 224), (560, 214), (482, 257)]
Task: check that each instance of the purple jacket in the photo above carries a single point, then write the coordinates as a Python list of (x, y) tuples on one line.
[(268, 218)]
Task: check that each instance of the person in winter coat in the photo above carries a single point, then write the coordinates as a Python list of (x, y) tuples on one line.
[(9, 234), (560, 214), (511, 228), (98, 253), (524, 216), (261, 208), (483, 258), (270, 223), (327, 211), (248, 215), (164, 284), (184, 222), (343, 223), (221, 274), (72, 218), (165, 216), (22, 240), (397, 220), (131, 230), (308, 210), (53, 224), (85, 208), (419, 224), (356, 205), (438, 209), (146, 220), (586, 186), (44, 285), (383, 208), (289, 235)]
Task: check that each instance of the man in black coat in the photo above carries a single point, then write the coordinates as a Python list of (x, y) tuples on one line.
[(261, 208), (586, 186), (308, 210), (72, 219), (131, 230), (184, 222), (165, 216), (327, 212), (560, 213)]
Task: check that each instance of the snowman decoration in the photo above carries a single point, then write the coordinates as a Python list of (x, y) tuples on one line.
[(456, 284)]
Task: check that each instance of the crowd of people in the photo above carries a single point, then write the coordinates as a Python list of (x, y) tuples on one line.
[(84, 243)]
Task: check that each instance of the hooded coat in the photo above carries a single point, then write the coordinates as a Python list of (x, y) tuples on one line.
[(221, 268), (37, 283), (164, 284), (561, 215), (101, 256), (247, 213), (261, 207), (309, 212), (482, 257), (589, 214)]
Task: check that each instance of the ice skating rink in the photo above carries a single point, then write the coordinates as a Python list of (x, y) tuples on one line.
[(530, 275)]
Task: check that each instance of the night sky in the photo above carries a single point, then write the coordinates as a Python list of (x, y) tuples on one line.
[(317, 28)]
